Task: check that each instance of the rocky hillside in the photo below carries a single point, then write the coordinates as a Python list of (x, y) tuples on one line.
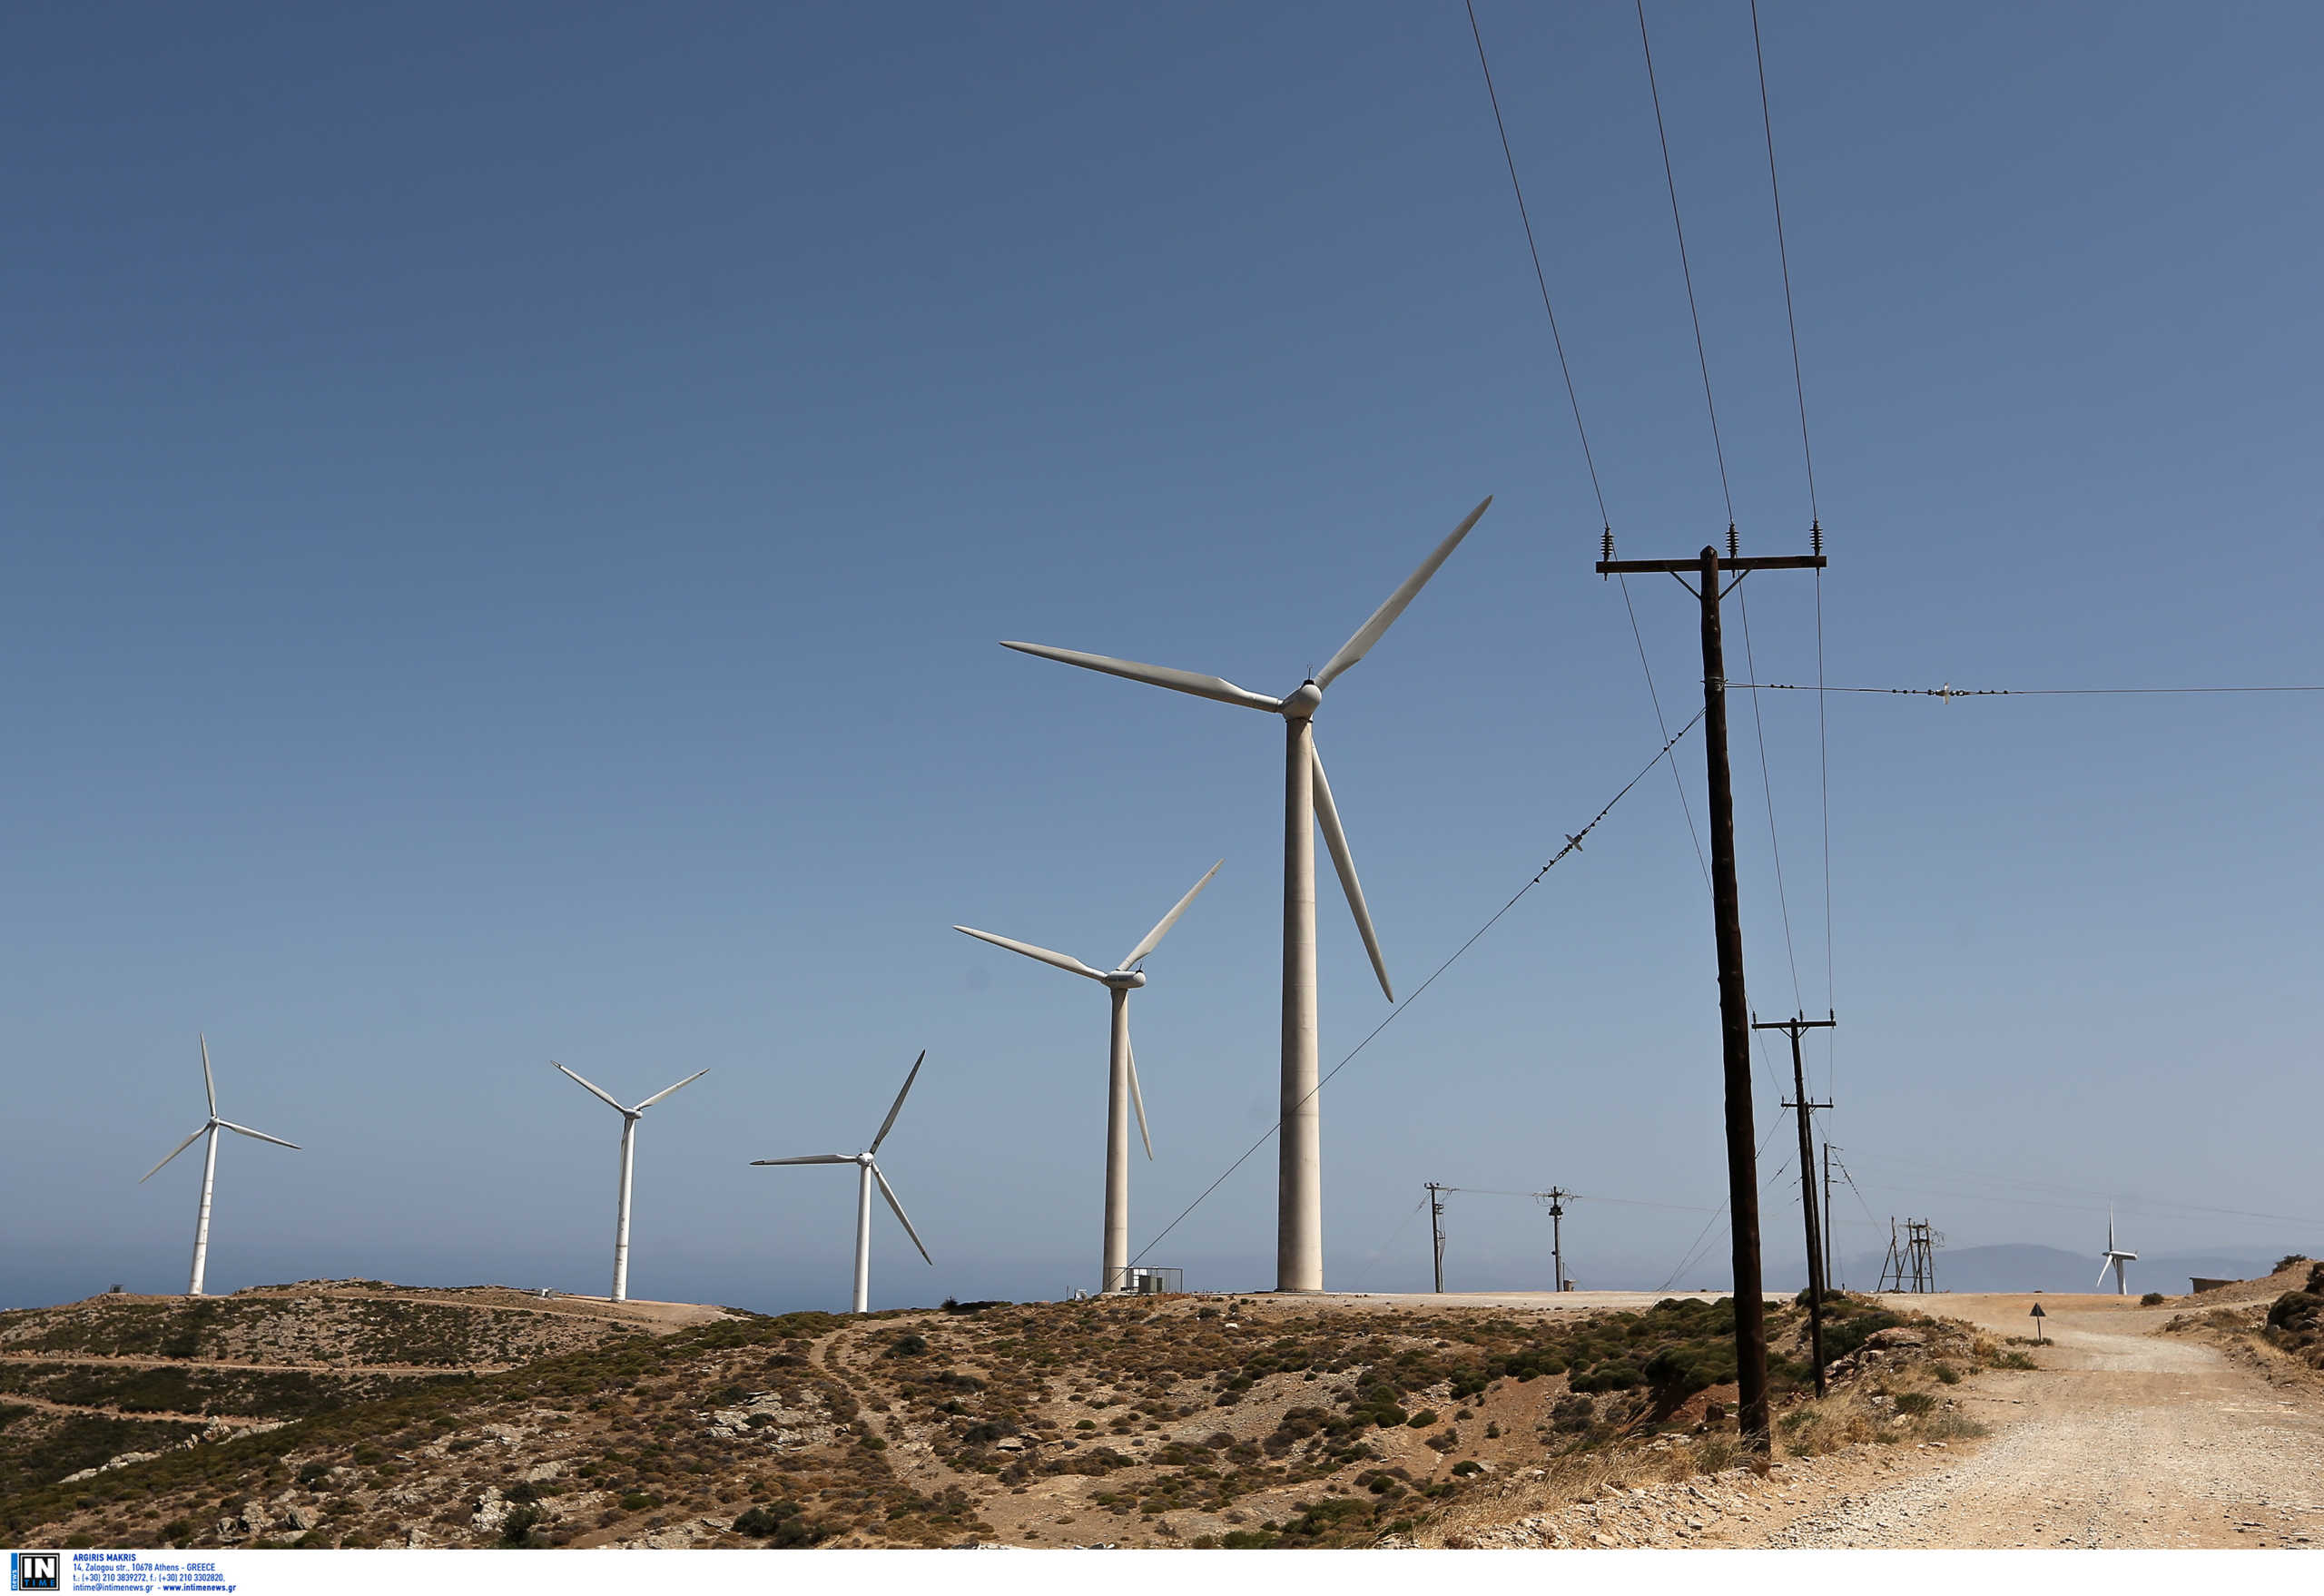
[(1186, 1421), (119, 1380)]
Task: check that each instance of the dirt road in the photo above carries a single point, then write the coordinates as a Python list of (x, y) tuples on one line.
[(2121, 1439)]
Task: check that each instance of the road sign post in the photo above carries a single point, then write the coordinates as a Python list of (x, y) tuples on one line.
[(2038, 1315)]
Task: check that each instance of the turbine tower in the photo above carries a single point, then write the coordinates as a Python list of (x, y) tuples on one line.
[(2113, 1258), (629, 1161), (1306, 799), (211, 1127), (867, 1171), (1121, 1091)]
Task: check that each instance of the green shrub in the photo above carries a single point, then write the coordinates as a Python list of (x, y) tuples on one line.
[(1422, 1419), (2288, 1261), (2296, 1310), (2152, 1299), (906, 1345), (639, 1501), (1917, 1403), (1945, 1374)]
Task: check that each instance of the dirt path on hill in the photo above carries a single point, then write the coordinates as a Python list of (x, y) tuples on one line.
[(2121, 1439), (142, 1417)]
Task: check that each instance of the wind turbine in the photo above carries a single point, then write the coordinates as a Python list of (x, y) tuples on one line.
[(1306, 799), (210, 1128), (2113, 1258), (1121, 1090), (629, 1161), (867, 1170)]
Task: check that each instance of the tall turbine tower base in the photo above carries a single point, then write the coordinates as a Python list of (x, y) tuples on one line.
[(1299, 1189)]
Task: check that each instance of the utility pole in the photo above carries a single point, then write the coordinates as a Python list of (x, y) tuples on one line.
[(1555, 1196), (1804, 1111), (1734, 1004), (1436, 1227)]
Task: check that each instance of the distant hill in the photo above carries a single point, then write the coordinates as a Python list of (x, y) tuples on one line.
[(2018, 1267)]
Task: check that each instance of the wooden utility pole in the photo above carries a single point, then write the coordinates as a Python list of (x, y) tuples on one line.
[(1555, 1196), (1804, 1111), (1734, 1003), (1436, 1228)]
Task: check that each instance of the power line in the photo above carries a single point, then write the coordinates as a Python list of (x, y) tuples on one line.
[(1573, 400), (1540, 277), (1685, 270), (1798, 383), (1767, 786), (1816, 532), (1949, 691), (1719, 450), (1572, 845)]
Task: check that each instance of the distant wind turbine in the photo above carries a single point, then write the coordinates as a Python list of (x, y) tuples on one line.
[(1121, 1091), (211, 1127), (867, 1171), (2113, 1258), (1306, 799), (628, 1160)]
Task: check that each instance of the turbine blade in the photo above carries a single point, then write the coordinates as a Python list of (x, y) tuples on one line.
[(1162, 927), (898, 1107), (598, 1093), (209, 1083), (666, 1092), (1046, 955), (1194, 682), (809, 1158), (175, 1151), (1357, 646), (1137, 1099), (889, 1193), (2101, 1270), (258, 1134), (1328, 813)]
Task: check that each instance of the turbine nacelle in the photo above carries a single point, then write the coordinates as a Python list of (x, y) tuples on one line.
[(1125, 980), (1302, 703), (867, 1175)]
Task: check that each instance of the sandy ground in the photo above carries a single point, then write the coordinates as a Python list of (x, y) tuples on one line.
[(2123, 1438), (2120, 1438)]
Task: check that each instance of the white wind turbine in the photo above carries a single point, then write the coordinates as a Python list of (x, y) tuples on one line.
[(629, 1161), (2113, 1258), (1306, 799), (1121, 1092), (210, 1128), (867, 1171)]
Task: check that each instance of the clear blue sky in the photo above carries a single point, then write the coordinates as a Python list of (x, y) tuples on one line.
[(507, 515)]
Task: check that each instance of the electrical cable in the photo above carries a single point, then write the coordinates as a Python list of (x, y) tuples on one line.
[(1572, 845), (1716, 1218), (1783, 254), (1718, 449), (1573, 400), (1816, 524), (1364, 1271), (1540, 277), (1949, 691)]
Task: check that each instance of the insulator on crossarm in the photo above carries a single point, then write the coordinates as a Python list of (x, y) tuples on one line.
[(1816, 536), (1733, 550), (1606, 548)]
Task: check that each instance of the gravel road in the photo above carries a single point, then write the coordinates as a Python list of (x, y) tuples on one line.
[(2122, 1439)]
